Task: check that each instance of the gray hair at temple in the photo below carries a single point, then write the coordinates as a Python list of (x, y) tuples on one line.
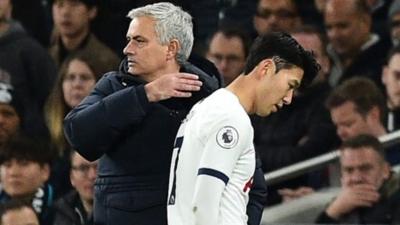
[(171, 22)]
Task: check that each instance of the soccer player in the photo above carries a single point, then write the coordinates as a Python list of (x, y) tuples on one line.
[(214, 158)]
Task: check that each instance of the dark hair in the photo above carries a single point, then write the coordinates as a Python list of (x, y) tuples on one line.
[(364, 140), (21, 147), (362, 7), (363, 92), (393, 51), (14, 204), (286, 53), (88, 3), (230, 31)]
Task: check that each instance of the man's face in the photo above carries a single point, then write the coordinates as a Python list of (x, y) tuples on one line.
[(78, 81), (395, 28), (147, 58), (347, 29), (276, 15), (363, 166), (349, 123), (83, 175), (391, 80), (9, 122), (276, 90), (312, 42), (72, 17), (23, 216), (227, 53), (5, 10), (22, 177)]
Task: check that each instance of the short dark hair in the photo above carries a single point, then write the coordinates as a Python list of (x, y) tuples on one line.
[(14, 204), (21, 148), (362, 7), (363, 92), (364, 140), (230, 31), (88, 3), (393, 51), (280, 45)]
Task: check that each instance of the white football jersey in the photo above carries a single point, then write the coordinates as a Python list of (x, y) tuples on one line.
[(213, 164)]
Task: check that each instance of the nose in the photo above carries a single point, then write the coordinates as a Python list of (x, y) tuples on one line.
[(288, 97), (129, 48), (92, 173), (356, 177), (342, 133)]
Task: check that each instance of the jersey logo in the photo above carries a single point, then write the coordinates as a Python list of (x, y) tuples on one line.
[(227, 137)]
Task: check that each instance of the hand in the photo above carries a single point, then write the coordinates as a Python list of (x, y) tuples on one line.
[(361, 195), (291, 194), (172, 85)]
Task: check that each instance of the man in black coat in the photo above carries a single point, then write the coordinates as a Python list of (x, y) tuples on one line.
[(130, 120)]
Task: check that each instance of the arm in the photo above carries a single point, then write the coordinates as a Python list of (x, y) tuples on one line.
[(96, 125), (215, 170)]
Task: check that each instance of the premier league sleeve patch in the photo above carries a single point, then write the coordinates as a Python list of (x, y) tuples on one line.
[(227, 137)]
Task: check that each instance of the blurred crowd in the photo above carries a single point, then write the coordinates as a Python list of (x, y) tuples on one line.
[(52, 52)]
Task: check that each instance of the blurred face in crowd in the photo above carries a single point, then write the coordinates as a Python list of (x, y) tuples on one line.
[(391, 80), (9, 122), (363, 166), (347, 29), (72, 17), (5, 10), (22, 216), (78, 81), (274, 90), (312, 42), (83, 175), (228, 55), (147, 57), (22, 177), (395, 28), (349, 122), (276, 15)]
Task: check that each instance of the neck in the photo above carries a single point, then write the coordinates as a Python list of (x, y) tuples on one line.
[(239, 87), (73, 42), (88, 206), (171, 67), (379, 130)]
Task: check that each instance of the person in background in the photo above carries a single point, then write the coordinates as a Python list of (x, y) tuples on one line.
[(370, 191), (77, 206), (27, 66), (228, 49), (72, 32), (10, 113), (24, 171), (77, 78), (276, 15), (18, 212)]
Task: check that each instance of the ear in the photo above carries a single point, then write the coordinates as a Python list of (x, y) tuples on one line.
[(386, 170), (374, 114), (92, 12), (385, 72), (264, 68), (45, 172), (173, 48)]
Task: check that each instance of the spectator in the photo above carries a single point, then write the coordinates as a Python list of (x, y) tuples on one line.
[(18, 212), (72, 32), (76, 79), (358, 107), (391, 81), (370, 191), (77, 206), (276, 15), (228, 49), (27, 66), (10, 119), (24, 171), (352, 44)]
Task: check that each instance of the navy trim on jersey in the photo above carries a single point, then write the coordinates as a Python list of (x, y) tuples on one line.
[(214, 173)]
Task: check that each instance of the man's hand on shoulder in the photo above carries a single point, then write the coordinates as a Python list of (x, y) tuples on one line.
[(350, 198), (172, 85)]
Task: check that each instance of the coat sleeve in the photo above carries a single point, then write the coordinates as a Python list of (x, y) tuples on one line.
[(102, 118), (257, 196)]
